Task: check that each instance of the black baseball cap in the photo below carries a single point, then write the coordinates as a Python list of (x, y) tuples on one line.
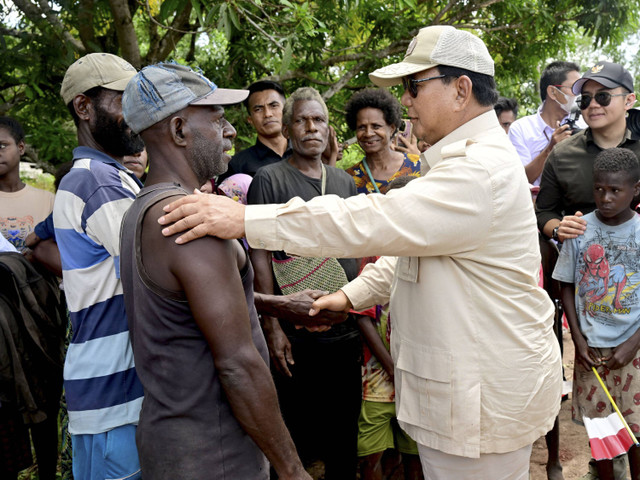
[(608, 74)]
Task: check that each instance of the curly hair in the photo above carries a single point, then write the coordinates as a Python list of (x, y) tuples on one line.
[(303, 93), (373, 98), (13, 127), (618, 160)]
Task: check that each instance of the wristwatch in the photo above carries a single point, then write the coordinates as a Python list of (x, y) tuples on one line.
[(554, 234)]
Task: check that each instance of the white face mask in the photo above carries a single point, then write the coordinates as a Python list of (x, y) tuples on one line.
[(570, 104)]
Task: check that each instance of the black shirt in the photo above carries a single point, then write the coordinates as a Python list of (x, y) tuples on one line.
[(566, 185), (251, 159), (279, 183)]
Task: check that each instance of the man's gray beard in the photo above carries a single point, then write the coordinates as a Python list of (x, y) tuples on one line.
[(206, 162)]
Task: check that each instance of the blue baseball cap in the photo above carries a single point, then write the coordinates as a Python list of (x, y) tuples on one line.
[(160, 90)]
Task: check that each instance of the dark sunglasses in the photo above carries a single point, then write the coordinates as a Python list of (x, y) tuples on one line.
[(603, 99), (411, 85)]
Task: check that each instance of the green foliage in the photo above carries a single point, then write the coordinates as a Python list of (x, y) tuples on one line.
[(331, 45), (350, 156), (43, 181)]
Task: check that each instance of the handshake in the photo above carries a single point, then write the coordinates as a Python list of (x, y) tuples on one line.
[(314, 310)]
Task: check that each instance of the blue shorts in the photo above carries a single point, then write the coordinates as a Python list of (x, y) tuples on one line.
[(106, 456)]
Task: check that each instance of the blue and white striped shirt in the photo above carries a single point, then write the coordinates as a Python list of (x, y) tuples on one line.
[(101, 385)]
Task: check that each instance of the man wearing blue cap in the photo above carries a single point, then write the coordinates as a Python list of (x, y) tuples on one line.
[(210, 408), (566, 188)]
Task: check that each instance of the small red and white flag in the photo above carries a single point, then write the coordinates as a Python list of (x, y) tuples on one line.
[(608, 437)]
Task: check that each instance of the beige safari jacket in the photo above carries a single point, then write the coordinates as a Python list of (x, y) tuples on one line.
[(477, 367)]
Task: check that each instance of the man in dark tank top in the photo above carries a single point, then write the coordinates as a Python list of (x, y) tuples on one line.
[(210, 408)]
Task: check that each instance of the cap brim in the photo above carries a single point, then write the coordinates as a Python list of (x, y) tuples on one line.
[(392, 74), (223, 96), (576, 88), (121, 84)]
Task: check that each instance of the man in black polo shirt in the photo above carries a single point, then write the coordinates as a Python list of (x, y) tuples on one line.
[(566, 188), (264, 104)]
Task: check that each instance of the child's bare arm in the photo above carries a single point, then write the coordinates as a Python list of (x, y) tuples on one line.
[(374, 341), (585, 355), (624, 353)]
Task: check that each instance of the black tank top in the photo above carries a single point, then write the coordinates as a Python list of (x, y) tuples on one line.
[(187, 429)]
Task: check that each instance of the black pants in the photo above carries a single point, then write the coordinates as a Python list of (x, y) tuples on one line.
[(321, 403)]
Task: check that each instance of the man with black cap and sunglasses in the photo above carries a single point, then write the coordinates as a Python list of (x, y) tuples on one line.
[(477, 368), (566, 188)]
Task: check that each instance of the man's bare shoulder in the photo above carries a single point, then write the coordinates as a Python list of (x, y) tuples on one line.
[(153, 230), (166, 261)]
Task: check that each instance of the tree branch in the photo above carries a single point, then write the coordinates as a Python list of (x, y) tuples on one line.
[(12, 32), (394, 48), (180, 27), (266, 16), (466, 11), (291, 74), (8, 106), (35, 12), (346, 78), (156, 23), (436, 20), (257, 27), (483, 28)]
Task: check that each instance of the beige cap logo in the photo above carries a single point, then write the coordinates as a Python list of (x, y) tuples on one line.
[(597, 68), (411, 46)]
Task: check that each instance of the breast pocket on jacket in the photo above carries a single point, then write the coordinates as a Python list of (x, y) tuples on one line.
[(407, 268)]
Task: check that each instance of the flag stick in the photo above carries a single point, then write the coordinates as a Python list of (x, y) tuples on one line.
[(624, 422)]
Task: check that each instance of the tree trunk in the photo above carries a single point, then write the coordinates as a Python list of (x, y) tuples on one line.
[(126, 34), (159, 51), (85, 24)]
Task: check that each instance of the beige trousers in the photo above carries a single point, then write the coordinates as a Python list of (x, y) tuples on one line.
[(437, 465)]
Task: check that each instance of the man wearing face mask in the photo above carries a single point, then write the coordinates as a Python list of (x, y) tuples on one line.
[(534, 136)]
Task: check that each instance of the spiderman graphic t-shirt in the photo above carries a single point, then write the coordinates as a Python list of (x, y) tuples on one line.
[(605, 268)]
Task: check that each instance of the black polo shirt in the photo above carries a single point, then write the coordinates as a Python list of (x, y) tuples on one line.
[(251, 159)]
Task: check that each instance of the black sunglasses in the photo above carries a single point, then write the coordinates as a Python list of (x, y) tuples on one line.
[(603, 99), (411, 85)]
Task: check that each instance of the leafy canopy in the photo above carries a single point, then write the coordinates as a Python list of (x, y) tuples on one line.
[(331, 45)]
